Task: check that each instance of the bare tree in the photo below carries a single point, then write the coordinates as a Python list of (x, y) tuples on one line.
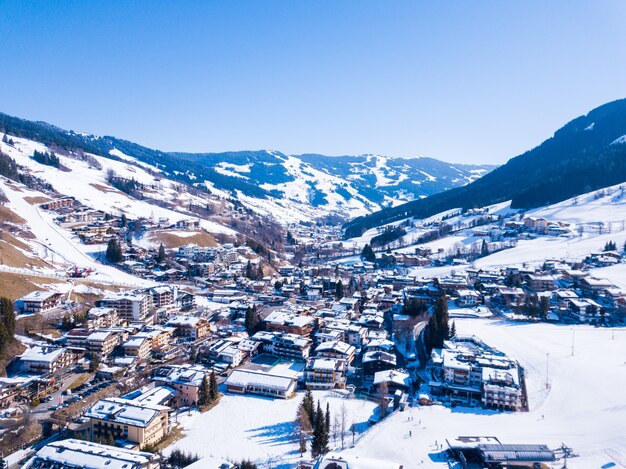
[(336, 427), (343, 416)]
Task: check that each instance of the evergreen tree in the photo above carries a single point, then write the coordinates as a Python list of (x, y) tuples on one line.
[(484, 249), (114, 251), (319, 445), (339, 290), (204, 392), (124, 220), (327, 420), (309, 406), (438, 329), (544, 307), (161, 256), (249, 272), (453, 330), (7, 316), (368, 253), (213, 387), (5, 139), (245, 464), (94, 362), (414, 307), (251, 320), (610, 246)]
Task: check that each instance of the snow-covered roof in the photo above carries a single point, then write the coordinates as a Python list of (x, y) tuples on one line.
[(392, 376), (88, 455), (124, 411), (43, 354), (246, 378)]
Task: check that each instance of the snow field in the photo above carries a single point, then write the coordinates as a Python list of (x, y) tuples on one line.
[(258, 428)]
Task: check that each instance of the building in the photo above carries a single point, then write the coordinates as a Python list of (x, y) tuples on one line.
[(468, 371), (124, 420), (584, 309), (185, 380), (102, 317), (131, 306), (284, 345), (290, 323), (42, 360), (467, 298), (393, 380), (139, 347), (325, 373), (75, 454), (189, 327), (102, 343), (39, 302), (163, 297), (259, 382), (336, 349), (539, 283), (377, 360)]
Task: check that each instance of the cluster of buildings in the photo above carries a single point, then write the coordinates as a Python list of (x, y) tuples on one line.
[(468, 371)]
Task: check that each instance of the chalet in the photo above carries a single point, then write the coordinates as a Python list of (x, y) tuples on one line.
[(592, 286), (39, 302), (56, 204), (284, 345), (467, 370), (583, 309), (189, 327), (540, 283), (376, 360), (467, 298), (290, 323), (43, 360), (325, 373), (163, 297), (336, 349), (393, 380)]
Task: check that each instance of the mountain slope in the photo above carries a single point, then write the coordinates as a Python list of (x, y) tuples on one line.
[(587, 153), (292, 187)]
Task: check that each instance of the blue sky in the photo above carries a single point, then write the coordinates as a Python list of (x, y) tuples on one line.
[(472, 82)]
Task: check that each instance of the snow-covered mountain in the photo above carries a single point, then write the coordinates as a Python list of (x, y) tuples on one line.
[(288, 187), (585, 154)]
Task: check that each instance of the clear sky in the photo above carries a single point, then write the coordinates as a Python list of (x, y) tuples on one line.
[(462, 81)]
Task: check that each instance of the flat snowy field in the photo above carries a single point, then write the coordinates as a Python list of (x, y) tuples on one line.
[(584, 407), (258, 428)]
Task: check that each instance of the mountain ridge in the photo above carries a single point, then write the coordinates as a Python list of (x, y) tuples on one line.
[(580, 157), (311, 185)]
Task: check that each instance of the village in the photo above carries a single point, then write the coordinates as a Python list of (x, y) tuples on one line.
[(117, 374)]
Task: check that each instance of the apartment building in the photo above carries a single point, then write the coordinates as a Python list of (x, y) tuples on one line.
[(121, 419)]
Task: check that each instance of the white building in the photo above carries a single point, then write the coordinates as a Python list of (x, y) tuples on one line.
[(72, 454), (258, 382), (467, 370)]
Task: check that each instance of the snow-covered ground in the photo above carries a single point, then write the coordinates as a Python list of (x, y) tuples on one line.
[(258, 428), (584, 407), (89, 185), (56, 245)]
